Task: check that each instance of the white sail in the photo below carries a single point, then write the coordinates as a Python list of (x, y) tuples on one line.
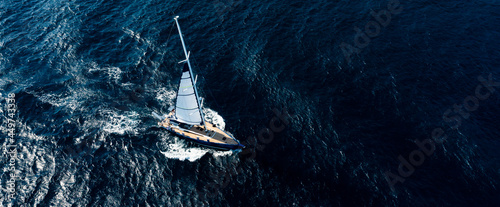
[(186, 107)]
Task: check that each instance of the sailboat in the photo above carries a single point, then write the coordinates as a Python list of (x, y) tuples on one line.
[(186, 119)]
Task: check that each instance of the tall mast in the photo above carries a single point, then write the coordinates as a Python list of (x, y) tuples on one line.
[(190, 71)]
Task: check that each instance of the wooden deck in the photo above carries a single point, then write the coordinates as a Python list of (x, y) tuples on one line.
[(210, 134)]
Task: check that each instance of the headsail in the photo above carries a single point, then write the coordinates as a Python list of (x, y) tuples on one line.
[(187, 109)]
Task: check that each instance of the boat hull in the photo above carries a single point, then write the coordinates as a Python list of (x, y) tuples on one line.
[(218, 146), (208, 135)]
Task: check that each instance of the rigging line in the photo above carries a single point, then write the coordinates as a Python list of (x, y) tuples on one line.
[(170, 34), (202, 75), (166, 45), (213, 97)]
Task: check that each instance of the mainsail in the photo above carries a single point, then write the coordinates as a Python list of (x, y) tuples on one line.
[(187, 109)]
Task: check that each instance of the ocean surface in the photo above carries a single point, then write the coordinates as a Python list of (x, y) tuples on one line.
[(337, 103)]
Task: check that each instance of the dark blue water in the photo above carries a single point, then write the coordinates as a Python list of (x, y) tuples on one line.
[(87, 75)]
